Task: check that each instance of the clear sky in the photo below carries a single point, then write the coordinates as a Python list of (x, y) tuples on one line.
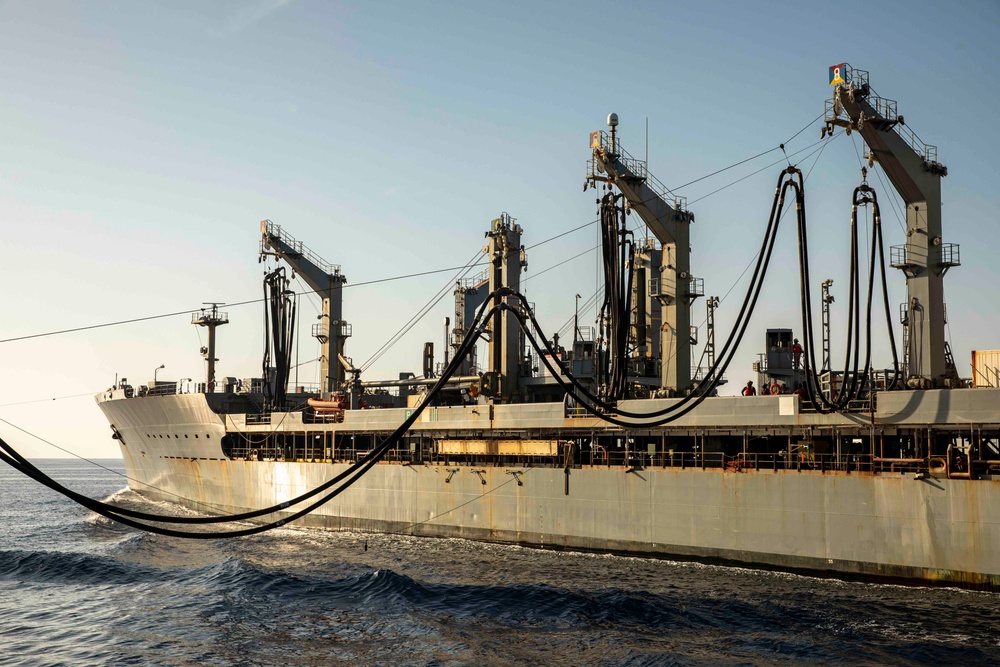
[(142, 142)]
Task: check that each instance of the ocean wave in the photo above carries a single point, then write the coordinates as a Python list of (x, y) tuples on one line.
[(385, 589), (71, 568)]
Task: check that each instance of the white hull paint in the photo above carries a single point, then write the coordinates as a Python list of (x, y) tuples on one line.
[(881, 525)]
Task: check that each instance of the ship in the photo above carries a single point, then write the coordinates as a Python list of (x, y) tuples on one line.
[(609, 440)]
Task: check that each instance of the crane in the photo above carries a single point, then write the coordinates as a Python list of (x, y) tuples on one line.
[(914, 171), (668, 219), (327, 282)]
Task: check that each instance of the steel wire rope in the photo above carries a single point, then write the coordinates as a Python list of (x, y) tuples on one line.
[(594, 405), (122, 475), (440, 294), (733, 286), (248, 302), (724, 169), (780, 146), (750, 263), (464, 347), (566, 233), (556, 266), (587, 305), (765, 168), (237, 304), (304, 363), (186, 311), (437, 387), (44, 400), (406, 531), (893, 174), (893, 196), (353, 473), (98, 465), (726, 354), (818, 152)]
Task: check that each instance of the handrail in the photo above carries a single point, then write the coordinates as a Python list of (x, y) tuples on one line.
[(301, 248), (639, 169), (858, 79)]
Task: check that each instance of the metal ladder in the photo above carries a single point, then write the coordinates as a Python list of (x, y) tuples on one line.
[(905, 364), (949, 362)]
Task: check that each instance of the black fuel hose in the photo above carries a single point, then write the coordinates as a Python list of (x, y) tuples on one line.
[(15, 460), (602, 408)]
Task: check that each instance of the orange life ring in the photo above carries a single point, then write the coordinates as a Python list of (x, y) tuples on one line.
[(775, 389)]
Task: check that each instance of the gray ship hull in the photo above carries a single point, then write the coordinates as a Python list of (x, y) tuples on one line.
[(890, 524)]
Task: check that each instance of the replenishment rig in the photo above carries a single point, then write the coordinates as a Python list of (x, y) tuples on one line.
[(610, 440)]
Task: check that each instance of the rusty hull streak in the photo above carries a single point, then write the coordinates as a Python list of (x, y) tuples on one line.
[(883, 526)]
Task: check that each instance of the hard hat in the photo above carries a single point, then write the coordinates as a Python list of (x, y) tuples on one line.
[(795, 340), (749, 381)]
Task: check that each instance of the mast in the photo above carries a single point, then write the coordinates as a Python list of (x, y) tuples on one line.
[(210, 319), (507, 259)]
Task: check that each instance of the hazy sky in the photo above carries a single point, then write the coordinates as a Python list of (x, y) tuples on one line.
[(142, 142)]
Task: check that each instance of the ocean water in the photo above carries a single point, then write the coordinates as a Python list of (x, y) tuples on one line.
[(78, 590)]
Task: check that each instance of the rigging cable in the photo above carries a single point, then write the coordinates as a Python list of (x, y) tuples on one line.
[(363, 465), (351, 474), (765, 168), (818, 153), (604, 409), (420, 313), (188, 311), (44, 400)]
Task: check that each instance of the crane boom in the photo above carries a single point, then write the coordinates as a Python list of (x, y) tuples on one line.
[(327, 282), (669, 221), (915, 173)]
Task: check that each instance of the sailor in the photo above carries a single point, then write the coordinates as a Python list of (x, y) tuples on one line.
[(796, 353), (749, 390)]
